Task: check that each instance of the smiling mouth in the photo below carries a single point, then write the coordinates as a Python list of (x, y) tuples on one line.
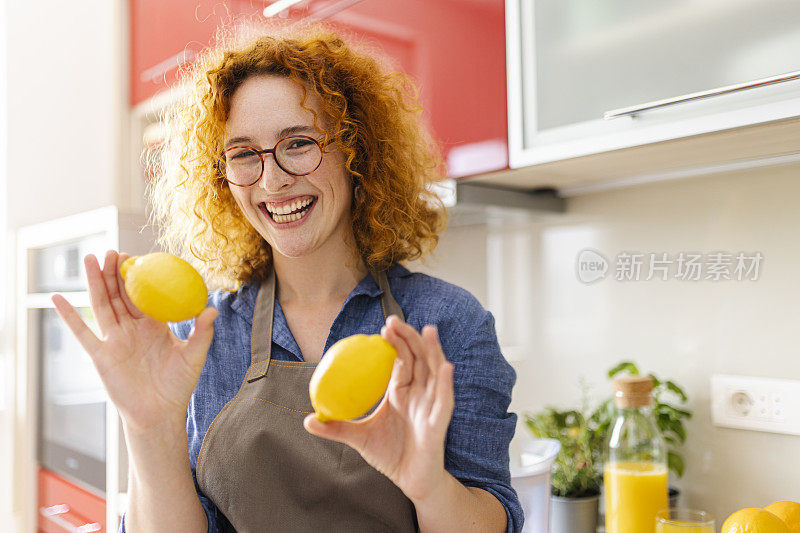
[(285, 217)]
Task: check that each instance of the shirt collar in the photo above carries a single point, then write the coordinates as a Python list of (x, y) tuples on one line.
[(245, 302), (281, 334)]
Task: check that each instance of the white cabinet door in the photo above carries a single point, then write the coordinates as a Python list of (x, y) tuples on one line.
[(570, 63)]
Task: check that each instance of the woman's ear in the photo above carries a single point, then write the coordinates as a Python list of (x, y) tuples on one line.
[(356, 185)]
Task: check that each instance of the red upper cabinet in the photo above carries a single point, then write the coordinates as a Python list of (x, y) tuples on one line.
[(167, 33), (453, 49), (455, 52)]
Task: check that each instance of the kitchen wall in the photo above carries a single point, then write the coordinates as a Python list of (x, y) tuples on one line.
[(67, 90), (63, 94), (6, 346), (684, 330)]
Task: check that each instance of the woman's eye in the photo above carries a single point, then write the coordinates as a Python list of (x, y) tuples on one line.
[(300, 143), (243, 155)]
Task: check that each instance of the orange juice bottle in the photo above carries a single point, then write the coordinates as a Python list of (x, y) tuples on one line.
[(635, 471)]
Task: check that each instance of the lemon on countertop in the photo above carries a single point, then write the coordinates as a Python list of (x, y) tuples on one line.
[(787, 511), (754, 521), (351, 377), (164, 287)]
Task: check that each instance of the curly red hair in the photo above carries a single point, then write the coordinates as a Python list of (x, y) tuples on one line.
[(375, 120)]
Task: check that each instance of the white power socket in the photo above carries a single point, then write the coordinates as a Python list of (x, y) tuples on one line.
[(761, 404)]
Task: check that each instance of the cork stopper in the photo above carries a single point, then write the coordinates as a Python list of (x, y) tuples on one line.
[(632, 392)]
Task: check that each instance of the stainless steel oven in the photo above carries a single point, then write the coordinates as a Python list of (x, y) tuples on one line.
[(72, 405)]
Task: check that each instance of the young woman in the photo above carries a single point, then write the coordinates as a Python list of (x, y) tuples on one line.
[(296, 171)]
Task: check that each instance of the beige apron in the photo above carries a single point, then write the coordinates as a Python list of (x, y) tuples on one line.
[(265, 472)]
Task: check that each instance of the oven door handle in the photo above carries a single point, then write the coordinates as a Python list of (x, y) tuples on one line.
[(56, 515)]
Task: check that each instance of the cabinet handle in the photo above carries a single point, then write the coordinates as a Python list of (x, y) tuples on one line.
[(54, 513), (635, 110)]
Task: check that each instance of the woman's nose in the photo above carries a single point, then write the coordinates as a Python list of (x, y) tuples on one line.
[(273, 177)]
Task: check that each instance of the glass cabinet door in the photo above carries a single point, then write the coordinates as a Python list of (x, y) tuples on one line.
[(573, 64), (592, 57)]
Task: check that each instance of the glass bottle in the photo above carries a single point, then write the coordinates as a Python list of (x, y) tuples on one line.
[(635, 471)]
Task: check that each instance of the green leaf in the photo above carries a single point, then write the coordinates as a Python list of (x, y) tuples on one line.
[(624, 366), (670, 439), (663, 421), (673, 412), (656, 381), (675, 463), (677, 390), (677, 428)]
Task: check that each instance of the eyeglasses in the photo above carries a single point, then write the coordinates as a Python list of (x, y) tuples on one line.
[(297, 155)]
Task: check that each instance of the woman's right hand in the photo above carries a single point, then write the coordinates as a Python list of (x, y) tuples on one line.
[(148, 372)]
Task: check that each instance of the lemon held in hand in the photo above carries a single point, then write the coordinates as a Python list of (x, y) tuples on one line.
[(754, 521), (351, 377), (164, 287)]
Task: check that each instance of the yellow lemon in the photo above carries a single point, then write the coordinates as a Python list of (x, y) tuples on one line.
[(754, 521), (787, 511), (351, 377), (164, 286)]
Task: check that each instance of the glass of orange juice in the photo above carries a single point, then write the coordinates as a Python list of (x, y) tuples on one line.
[(675, 520)]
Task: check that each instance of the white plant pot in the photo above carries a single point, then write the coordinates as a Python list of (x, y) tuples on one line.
[(573, 515)]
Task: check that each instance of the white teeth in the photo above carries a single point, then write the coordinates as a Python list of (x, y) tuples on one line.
[(282, 219), (286, 209)]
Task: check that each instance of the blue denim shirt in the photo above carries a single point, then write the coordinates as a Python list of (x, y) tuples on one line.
[(476, 446)]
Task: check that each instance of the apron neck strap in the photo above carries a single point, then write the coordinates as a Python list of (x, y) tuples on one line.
[(261, 332), (389, 305)]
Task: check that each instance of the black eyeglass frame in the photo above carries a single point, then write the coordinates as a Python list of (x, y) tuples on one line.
[(261, 153)]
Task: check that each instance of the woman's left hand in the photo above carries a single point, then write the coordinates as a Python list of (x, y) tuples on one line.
[(404, 437)]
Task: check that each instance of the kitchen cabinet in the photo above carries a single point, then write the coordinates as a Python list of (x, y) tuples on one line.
[(85, 511), (575, 65), (167, 35), (454, 50)]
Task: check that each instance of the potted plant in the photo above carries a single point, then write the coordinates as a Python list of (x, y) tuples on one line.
[(667, 397), (576, 479)]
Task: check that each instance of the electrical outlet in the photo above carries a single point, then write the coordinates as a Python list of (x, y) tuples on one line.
[(760, 404)]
